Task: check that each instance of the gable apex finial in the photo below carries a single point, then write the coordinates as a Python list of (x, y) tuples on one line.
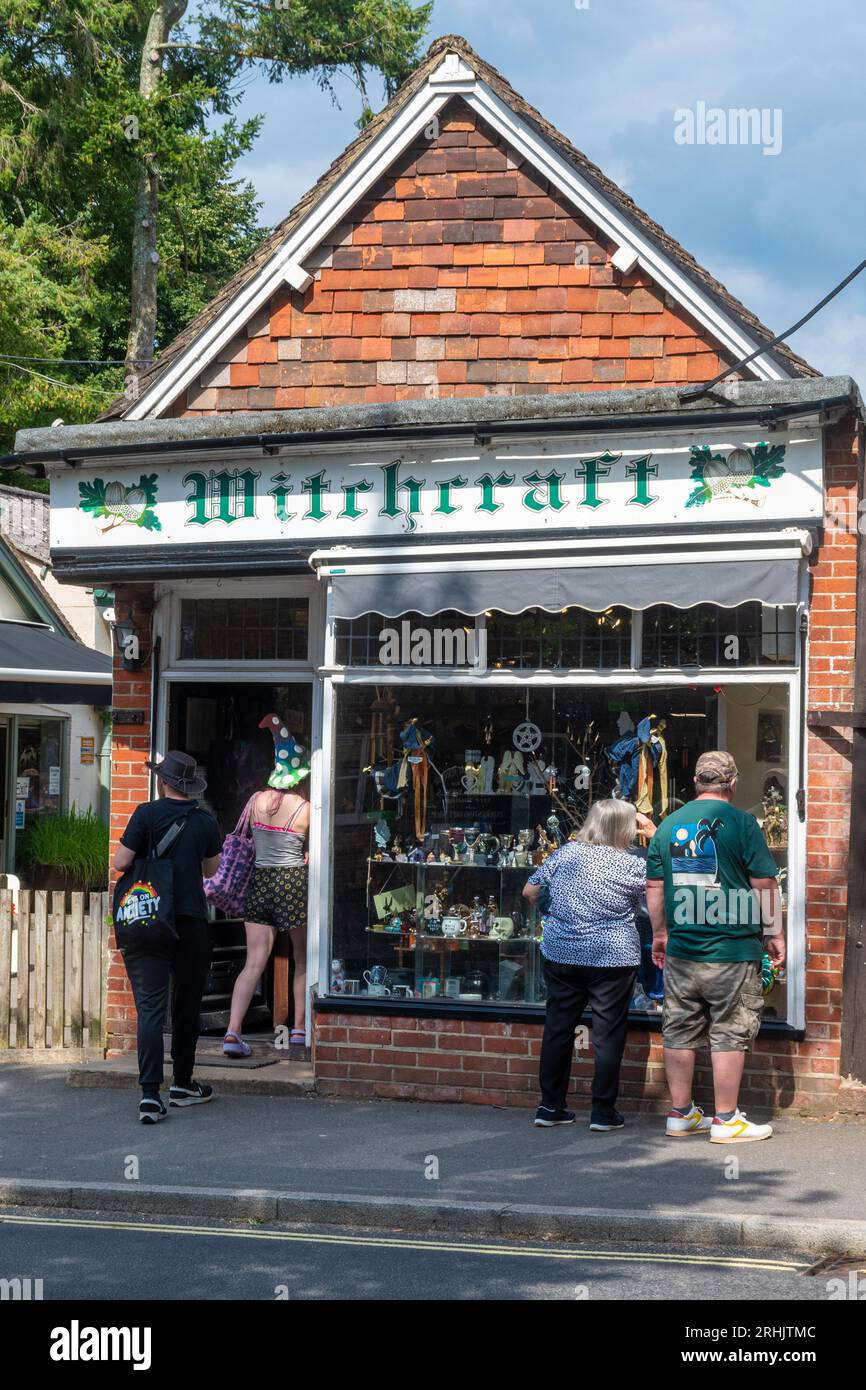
[(453, 73)]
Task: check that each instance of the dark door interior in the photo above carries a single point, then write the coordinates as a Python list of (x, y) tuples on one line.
[(217, 723)]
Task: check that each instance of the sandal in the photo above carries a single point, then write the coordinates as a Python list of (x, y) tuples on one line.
[(234, 1046), (298, 1037)]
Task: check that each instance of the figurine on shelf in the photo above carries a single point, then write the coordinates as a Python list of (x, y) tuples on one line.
[(440, 898), (537, 774), (416, 854), (488, 769), (381, 834), (554, 830), (774, 821)]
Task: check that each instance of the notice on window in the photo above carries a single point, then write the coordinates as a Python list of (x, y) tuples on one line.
[(20, 807), (88, 751), (22, 787), (54, 781)]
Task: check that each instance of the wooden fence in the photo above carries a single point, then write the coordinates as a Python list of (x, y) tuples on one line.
[(53, 962)]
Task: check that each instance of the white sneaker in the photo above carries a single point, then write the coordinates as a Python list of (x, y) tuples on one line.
[(695, 1122), (737, 1130)]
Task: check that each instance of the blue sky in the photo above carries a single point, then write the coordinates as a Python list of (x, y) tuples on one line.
[(778, 230)]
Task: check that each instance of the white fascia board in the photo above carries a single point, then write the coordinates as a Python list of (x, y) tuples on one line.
[(372, 164), (303, 240), (564, 562), (793, 541), (624, 233)]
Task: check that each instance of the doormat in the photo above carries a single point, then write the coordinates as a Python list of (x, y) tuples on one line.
[(207, 1059)]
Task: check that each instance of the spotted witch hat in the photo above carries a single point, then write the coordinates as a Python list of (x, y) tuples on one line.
[(292, 762)]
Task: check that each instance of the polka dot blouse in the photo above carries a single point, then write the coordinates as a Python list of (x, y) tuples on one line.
[(595, 892)]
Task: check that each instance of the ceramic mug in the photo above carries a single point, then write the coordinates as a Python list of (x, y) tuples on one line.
[(377, 975), (453, 926), (380, 991)]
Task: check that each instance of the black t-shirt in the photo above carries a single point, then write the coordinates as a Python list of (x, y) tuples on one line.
[(200, 840)]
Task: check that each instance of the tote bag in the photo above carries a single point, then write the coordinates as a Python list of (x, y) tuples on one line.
[(143, 906), (229, 886)]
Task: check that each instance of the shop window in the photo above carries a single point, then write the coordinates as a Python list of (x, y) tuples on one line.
[(572, 640), (446, 797), (244, 629), (534, 640), (753, 634)]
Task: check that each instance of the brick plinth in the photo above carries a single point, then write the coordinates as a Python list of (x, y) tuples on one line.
[(482, 1063)]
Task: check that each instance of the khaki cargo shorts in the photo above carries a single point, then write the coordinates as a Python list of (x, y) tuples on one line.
[(715, 1003)]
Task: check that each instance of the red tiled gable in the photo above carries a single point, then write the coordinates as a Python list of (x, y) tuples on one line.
[(463, 274)]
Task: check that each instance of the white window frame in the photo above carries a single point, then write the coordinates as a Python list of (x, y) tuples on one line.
[(168, 625)]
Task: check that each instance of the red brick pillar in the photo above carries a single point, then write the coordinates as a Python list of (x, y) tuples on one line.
[(831, 687), (130, 784)]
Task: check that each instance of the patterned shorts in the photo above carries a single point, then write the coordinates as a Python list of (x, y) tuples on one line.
[(278, 897), (715, 1002)]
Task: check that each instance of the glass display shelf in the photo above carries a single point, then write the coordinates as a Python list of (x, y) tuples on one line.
[(485, 937)]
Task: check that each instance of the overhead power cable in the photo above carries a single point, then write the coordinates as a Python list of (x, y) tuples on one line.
[(688, 393)]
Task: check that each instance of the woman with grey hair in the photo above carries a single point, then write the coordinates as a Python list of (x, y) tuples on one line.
[(590, 954)]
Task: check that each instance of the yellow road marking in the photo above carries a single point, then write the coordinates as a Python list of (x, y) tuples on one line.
[(405, 1243)]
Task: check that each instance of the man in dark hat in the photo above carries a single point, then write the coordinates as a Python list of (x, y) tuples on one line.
[(195, 854)]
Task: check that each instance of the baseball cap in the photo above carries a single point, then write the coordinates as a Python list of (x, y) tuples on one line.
[(715, 769)]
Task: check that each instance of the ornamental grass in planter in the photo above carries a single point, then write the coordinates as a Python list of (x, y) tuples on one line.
[(67, 851)]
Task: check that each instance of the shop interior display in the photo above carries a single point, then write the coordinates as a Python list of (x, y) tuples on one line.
[(447, 798)]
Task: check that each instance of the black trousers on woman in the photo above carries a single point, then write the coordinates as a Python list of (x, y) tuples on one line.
[(570, 988)]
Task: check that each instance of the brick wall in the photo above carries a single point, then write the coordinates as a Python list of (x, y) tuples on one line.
[(130, 784), (462, 273), (441, 1059)]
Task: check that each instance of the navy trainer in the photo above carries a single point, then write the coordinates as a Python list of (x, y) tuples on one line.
[(546, 1118)]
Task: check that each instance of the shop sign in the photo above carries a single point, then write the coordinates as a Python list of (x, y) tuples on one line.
[(88, 750), (671, 480)]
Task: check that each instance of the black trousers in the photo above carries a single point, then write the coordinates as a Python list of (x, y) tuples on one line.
[(178, 972), (607, 990)]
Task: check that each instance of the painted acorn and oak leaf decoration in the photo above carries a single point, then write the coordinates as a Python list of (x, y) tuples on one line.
[(736, 476), (120, 504)]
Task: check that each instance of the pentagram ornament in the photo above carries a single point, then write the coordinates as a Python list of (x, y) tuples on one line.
[(526, 737)]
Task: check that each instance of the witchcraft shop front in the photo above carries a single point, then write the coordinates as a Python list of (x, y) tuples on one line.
[(477, 634)]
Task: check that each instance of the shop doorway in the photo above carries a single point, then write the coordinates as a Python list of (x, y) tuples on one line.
[(217, 723)]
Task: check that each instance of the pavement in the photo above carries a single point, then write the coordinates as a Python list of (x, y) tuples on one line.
[(427, 1167)]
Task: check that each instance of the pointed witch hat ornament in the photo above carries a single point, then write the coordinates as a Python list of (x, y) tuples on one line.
[(292, 762)]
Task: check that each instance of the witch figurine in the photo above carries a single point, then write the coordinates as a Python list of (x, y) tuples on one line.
[(416, 765)]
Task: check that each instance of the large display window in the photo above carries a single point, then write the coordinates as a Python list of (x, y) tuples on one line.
[(446, 795)]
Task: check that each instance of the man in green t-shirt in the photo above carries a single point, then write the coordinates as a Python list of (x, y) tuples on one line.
[(713, 897)]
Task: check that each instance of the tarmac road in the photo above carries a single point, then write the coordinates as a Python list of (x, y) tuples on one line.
[(106, 1258)]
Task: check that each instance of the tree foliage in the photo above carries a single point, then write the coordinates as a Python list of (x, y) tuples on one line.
[(92, 114)]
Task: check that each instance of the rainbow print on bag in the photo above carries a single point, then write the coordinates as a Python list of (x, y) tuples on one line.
[(140, 903)]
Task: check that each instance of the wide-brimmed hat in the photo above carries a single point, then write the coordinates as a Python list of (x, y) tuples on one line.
[(179, 771)]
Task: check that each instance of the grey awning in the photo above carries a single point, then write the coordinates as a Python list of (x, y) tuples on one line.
[(682, 582), (38, 664)]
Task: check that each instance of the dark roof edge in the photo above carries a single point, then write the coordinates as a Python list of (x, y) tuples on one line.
[(114, 437)]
